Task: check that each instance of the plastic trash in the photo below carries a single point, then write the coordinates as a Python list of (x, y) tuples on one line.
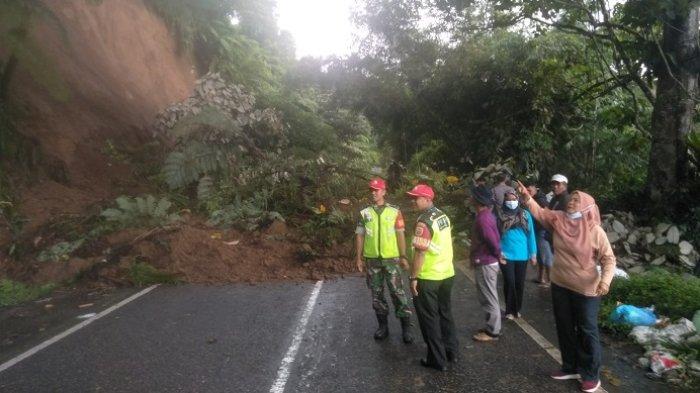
[(87, 316), (676, 333), (644, 335), (661, 362), (633, 315), (696, 320), (619, 273)]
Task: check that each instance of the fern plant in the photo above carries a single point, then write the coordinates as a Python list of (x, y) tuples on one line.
[(140, 211), (187, 165), (247, 214)]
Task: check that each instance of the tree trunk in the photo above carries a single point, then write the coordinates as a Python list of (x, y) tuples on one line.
[(674, 108)]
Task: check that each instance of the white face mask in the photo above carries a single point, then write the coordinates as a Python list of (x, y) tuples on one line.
[(575, 215), (512, 204)]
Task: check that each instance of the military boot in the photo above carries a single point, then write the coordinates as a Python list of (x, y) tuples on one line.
[(406, 330), (383, 330)]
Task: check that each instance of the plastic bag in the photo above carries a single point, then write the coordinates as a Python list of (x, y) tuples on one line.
[(619, 273), (660, 362), (634, 316)]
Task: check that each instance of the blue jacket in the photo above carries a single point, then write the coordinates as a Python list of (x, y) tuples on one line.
[(516, 245)]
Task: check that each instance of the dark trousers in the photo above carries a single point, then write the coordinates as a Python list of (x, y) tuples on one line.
[(513, 285), (433, 309), (576, 317)]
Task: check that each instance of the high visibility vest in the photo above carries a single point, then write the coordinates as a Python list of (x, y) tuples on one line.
[(380, 232), (438, 258)]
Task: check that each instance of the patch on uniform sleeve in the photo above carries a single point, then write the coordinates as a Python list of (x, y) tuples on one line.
[(420, 243), (443, 222), (399, 222), (419, 230)]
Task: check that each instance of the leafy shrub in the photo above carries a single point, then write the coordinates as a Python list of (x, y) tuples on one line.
[(13, 292), (248, 214), (140, 211), (60, 251), (328, 226)]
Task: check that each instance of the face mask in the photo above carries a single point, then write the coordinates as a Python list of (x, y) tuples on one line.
[(512, 204), (575, 215)]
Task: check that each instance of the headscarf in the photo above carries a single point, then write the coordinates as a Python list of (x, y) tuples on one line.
[(576, 233), (511, 218)]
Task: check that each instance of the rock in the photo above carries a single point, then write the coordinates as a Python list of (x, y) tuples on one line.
[(613, 237), (627, 247), (659, 261), (685, 247), (632, 238), (626, 261), (661, 228), (649, 238), (619, 228), (637, 269), (673, 235), (686, 260), (660, 240)]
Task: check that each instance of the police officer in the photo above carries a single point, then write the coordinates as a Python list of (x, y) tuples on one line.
[(432, 276), (380, 243)]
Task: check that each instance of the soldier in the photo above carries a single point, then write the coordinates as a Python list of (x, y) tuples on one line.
[(432, 276), (380, 241)]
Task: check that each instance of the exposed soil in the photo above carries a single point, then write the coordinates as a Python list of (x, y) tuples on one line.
[(193, 252), (118, 66)]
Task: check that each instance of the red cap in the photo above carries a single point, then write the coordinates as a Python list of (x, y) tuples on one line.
[(421, 190), (377, 184)]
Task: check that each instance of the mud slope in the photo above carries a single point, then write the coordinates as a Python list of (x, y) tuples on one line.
[(116, 65)]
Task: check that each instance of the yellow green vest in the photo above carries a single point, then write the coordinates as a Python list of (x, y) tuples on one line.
[(380, 232), (438, 258)]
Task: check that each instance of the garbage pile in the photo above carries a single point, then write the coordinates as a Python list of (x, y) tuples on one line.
[(638, 248), (671, 348)]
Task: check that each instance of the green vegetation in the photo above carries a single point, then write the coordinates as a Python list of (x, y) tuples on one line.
[(140, 211), (672, 295), (142, 274), (12, 292)]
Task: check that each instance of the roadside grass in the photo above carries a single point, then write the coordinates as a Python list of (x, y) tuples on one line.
[(142, 274), (13, 292)]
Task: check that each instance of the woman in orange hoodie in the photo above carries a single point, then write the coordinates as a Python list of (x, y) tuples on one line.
[(580, 243)]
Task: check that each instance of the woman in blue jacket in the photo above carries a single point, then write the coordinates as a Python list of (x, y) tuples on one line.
[(518, 246)]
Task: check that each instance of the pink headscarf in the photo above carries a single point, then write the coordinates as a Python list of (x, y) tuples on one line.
[(576, 233)]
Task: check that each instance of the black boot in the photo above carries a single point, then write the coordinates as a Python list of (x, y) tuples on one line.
[(406, 329), (383, 330)]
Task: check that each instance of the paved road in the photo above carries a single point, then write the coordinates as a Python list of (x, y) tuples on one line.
[(233, 338)]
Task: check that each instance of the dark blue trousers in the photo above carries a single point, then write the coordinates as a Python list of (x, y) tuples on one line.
[(576, 317)]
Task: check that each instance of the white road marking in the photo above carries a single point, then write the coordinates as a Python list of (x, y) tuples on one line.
[(527, 328), (283, 372), (72, 330)]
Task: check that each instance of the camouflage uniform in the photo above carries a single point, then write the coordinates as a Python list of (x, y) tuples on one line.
[(378, 271)]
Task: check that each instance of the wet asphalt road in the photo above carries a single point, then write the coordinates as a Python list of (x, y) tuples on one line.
[(232, 338)]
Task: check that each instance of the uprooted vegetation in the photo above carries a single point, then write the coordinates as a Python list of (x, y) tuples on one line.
[(231, 203)]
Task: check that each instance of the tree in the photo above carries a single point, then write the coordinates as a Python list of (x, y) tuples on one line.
[(654, 46)]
